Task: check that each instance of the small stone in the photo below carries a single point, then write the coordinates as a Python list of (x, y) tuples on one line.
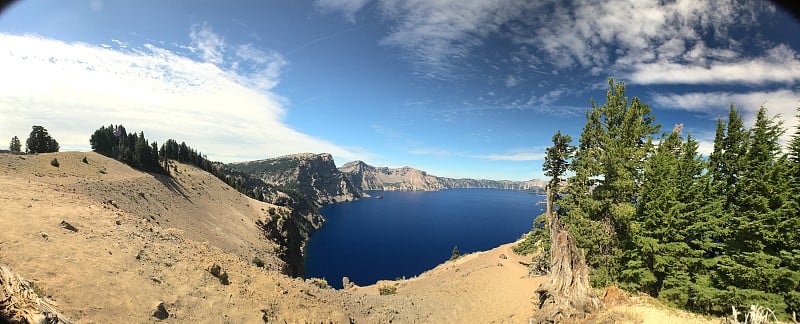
[(503, 256), (118, 222), (217, 271), (160, 311), (67, 226)]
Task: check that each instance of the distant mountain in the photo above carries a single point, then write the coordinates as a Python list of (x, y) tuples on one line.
[(369, 177), (315, 176)]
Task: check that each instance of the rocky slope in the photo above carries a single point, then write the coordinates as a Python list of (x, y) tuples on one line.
[(369, 177), (315, 176)]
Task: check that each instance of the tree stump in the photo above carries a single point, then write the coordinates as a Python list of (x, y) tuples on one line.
[(567, 296)]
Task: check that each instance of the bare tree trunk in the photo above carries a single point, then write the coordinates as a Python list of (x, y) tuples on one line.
[(19, 303), (567, 296)]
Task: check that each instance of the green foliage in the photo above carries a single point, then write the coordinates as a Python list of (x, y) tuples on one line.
[(537, 238), (387, 290), (320, 283), (455, 254), (40, 141), (130, 148), (258, 262), (15, 146), (54, 162), (703, 234)]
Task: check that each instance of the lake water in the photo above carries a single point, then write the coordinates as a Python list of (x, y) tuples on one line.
[(409, 232)]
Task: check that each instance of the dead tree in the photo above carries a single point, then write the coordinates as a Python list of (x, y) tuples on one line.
[(19, 302), (567, 296)]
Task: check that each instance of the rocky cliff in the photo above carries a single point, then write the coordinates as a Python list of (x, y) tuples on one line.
[(369, 177), (314, 176)]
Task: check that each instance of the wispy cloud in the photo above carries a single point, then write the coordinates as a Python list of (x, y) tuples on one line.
[(348, 8), (209, 44), (716, 104), (535, 154), (779, 65), (519, 155), (73, 88), (438, 35)]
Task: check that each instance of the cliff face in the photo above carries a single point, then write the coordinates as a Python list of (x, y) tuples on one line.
[(368, 177), (315, 176)]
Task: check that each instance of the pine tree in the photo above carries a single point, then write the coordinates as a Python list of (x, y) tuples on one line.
[(556, 161), (15, 146), (40, 141), (608, 172)]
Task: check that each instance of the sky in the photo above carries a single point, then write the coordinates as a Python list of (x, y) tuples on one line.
[(459, 88)]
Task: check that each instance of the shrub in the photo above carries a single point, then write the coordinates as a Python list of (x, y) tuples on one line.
[(387, 290), (54, 162), (85, 160), (321, 283), (455, 254), (258, 262)]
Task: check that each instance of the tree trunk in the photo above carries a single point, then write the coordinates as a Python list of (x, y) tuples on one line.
[(567, 296)]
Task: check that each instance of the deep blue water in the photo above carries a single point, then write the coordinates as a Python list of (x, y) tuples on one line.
[(409, 232)]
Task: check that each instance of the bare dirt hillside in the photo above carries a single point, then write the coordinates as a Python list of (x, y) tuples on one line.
[(132, 241)]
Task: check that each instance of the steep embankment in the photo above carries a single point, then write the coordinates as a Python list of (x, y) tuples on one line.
[(369, 177), (315, 176)]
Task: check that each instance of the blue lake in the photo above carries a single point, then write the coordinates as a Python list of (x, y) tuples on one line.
[(409, 232)]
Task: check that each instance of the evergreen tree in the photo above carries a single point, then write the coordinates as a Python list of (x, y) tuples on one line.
[(608, 172), (40, 141), (15, 146), (556, 161)]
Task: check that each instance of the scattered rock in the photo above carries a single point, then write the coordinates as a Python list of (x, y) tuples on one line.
[(503, 256), (118, 222), (44, 235), (67, 226), (160, 311), (112, 203), (216, 270)]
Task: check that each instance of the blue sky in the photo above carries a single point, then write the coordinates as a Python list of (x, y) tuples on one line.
[(459, 88)]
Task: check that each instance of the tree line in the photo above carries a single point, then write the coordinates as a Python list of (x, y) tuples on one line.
[(652, 215), (39, 141)]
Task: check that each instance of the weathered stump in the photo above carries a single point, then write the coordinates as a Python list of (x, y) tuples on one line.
[(567, 296)]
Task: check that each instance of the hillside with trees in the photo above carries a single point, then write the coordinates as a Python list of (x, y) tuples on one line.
[(652, 215)]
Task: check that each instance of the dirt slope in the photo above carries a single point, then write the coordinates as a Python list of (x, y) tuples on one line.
[(142, 240)]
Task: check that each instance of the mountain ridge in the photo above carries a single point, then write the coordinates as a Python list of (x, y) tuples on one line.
[(369, 177)]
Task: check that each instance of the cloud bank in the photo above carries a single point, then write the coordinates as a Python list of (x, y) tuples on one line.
[(220, 103)]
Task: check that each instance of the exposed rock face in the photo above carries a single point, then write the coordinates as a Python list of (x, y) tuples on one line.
[(368, 177), (313, 175)]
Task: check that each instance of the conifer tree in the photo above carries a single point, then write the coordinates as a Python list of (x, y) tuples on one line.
[(607, 166), (40, 141), (15, 146)]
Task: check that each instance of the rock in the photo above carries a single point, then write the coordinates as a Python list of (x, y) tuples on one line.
[(67, 226), (503, 256), (160, 311), (216, 270)]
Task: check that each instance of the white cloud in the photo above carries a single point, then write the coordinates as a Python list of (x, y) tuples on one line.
[(779, 65), (435, 35), (348, 8), (210, 45), (716, 104), (512, 81), (74, 88)]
